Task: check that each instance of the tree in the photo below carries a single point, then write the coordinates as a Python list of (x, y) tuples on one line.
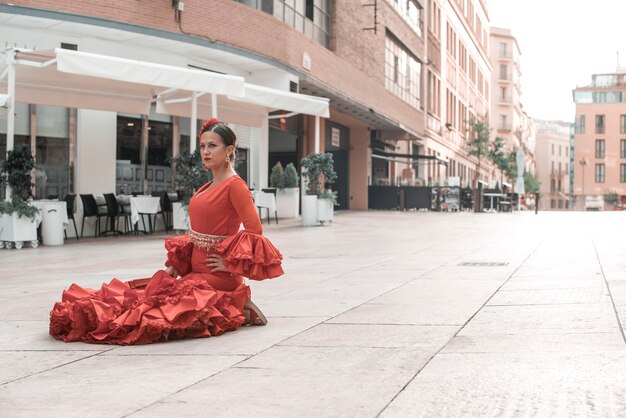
[(531, 184), (498, 156), (319, 169), (190, 174), (478, 146), (511, 166)]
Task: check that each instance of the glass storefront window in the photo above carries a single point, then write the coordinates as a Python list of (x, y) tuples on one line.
[(21, 137)]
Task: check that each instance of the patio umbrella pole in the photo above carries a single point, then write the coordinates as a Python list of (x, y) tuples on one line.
[(194, 122)]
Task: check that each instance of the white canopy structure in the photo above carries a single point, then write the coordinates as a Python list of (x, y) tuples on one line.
[(84, 80)]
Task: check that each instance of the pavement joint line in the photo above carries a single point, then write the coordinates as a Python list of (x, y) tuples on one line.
[(55, 367), (457, 332), (233, 366), (392, 324), (608, 288), (546, 304)]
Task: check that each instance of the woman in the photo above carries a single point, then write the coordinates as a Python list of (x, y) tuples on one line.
[(210, 297)]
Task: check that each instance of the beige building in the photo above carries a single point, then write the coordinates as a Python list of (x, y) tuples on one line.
[(600, 138), (506, 117), (457, 86), (552, 157)]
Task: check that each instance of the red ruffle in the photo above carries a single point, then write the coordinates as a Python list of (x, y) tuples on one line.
[(166, 309), (251, 255), (179, 251)]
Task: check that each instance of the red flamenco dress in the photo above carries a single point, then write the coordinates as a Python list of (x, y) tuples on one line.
[(199, 303)]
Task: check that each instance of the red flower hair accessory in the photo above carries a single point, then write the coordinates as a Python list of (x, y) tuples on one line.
[(207, 124)]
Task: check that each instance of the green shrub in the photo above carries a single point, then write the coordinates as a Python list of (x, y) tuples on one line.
[(277, 176), (291, 176)]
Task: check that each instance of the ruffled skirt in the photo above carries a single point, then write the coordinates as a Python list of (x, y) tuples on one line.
[(165, 309)]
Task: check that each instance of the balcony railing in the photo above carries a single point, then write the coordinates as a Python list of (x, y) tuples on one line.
[(504, 127)]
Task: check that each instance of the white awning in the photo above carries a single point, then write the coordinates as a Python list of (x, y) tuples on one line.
[(106, 83), (142, 72), (284, 100), (109, 83)]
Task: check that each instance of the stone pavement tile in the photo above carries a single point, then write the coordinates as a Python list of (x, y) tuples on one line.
[(107, 386), (475, 273), (521, 343), (331, 297), (244, 341), (541, 283), (300, 381), (375, 336), (34, 336), (559, 271), (409, 314), (440, 292), (542, 319), (532, 384), (20, 364), (597, 294)]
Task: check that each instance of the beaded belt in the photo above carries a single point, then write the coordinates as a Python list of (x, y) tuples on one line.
[(204, 240)]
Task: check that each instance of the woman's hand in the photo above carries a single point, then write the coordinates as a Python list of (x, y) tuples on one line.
[(216, 261), (171, 271)]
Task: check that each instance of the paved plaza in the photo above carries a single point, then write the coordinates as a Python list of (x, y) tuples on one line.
[(381, 314)]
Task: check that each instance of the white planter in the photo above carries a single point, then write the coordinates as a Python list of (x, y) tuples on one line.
[(309, 210), (288, 202), (180, 216), (16, 230), (325, 210)]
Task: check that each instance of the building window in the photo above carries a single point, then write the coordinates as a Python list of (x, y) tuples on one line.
[(310, 17), (599, 124), (503, 72), (552, 149), (502, 50), (411, 12), (503, 94), (622, 124), (599, 148), (599, 173), (622, 173), (552, 185), (579, 126), (402, 71), (622, 148)]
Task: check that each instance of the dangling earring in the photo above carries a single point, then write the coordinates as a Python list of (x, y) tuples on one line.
[(227, 162)]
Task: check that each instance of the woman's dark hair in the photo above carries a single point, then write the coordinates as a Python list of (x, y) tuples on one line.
[(220, 128)]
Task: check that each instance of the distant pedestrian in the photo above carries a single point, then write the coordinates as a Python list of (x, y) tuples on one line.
[(536, 202)]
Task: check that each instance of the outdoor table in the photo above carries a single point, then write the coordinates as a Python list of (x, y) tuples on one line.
[(491, 196), (144, 205), (264, 200)]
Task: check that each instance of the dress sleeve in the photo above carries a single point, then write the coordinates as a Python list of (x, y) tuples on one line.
[(248, 252), (179, 250)]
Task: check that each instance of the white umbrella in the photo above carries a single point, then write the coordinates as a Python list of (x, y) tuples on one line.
[(519, 181)]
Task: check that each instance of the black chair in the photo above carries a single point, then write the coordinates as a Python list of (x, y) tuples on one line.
[(70, 201), (114, 213), (166, 211), (272, 191), (90, 209)]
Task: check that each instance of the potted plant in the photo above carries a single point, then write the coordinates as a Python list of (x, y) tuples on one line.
[(17, 216), (287, 191), (190, 175), (319, 172)]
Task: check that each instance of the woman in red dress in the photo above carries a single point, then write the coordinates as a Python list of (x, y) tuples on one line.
[(212, 259)]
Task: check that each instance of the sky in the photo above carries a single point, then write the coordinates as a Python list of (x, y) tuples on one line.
[(563, 43)]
